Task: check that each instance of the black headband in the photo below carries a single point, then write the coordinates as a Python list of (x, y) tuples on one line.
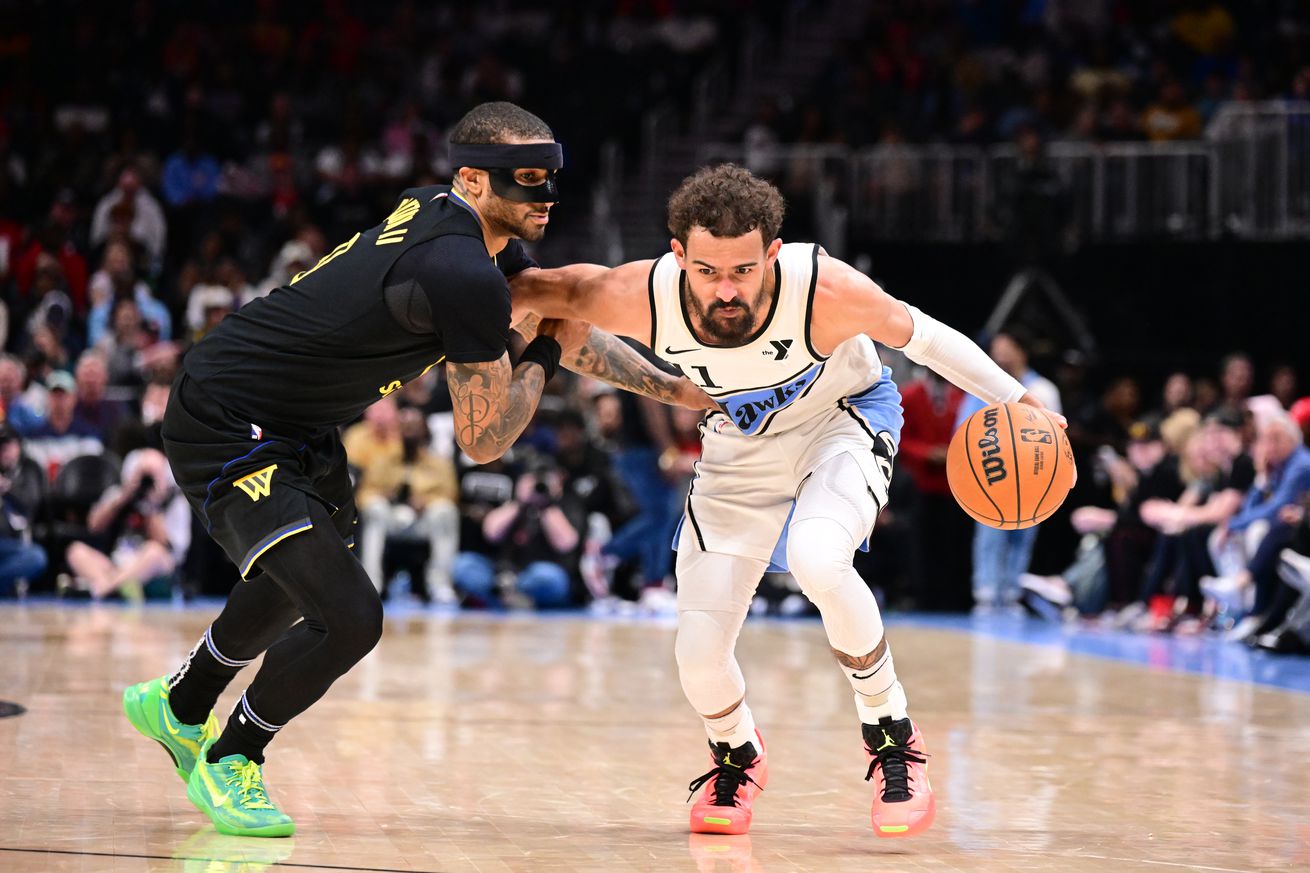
[(485, 156)]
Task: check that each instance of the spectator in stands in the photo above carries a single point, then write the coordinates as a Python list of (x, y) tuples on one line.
[(646, 437), (589, 478), (1256, 532), (1034, 211), (54, 240), (293, 258), (1171, 117), (1216, 472), (62, 435), (123, 345), (931, 407), (93, 408), (535, 538), (206, 306), (148, 228), (18, 413), (1236, 378), (1293, 635), (233, 278), (51, 310), (1115, 415), (142, 528), (410, 496), (20, 493), (999, 556), (1116, 545), (116, 280), (1283, 385), (1177, 394), (190, 174)]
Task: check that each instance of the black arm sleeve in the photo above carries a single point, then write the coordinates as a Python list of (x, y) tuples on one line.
[(466, 295), (514, 259)]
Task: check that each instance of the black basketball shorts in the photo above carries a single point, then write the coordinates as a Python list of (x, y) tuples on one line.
[(252, 487)]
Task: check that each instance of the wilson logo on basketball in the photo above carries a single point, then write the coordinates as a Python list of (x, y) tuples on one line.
[(989, 446)]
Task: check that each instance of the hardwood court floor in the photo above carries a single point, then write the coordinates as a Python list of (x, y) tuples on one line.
[(474, 743)]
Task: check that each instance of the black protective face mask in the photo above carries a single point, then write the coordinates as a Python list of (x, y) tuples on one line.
[(500, 160), (505, 185)]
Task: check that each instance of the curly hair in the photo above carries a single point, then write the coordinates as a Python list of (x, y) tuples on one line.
[(727, 200)]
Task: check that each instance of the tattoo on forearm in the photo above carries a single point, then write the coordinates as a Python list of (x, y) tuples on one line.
[(492, 405), (609, 359), (863, 662), (527, 328)]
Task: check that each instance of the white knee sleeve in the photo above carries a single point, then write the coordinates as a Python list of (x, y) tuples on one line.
[(714, 595), (834, 513), (707, 668)]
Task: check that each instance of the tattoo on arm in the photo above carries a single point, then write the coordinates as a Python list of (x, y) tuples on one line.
[(527, 328), (607, 358), (492, 406), (863, 662)]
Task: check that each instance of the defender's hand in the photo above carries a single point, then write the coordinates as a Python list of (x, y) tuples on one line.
[(571, 335), (690, 395)]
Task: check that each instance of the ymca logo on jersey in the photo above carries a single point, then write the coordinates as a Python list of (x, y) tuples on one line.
[(752, 410), (779, 350)]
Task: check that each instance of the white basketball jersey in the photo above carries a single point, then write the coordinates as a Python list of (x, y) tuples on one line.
[(776, 380)]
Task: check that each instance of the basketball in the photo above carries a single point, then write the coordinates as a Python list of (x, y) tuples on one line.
[(1010, 465)]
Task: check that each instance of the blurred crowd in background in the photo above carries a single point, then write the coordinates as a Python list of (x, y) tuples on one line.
[(1083, 70), (218, 150)]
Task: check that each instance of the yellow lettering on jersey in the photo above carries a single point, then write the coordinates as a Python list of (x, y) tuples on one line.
[(258, 484), (393, 232), (387, 389), (328, 258)]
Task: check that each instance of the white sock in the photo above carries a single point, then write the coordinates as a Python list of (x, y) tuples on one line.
[(890, 704), (735, 728)]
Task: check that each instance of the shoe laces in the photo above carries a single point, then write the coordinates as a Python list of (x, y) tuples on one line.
[(249, 783), (894, 759), (727, 781)]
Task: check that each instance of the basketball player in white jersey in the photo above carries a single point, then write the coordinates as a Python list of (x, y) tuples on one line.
[(795, 466)]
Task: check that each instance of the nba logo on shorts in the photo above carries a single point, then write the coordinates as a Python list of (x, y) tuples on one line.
[(256, 432)]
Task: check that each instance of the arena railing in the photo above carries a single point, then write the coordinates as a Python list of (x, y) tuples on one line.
[(1250, 178)]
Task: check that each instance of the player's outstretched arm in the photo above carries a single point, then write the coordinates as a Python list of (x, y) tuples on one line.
[(609, 359), (493, 404), (848, 303), (615, 301)]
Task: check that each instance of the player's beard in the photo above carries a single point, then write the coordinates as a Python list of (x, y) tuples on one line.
[(505, 218), (724, 331)]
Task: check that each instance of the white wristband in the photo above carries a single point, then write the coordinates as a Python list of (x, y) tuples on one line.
[(958, 359)]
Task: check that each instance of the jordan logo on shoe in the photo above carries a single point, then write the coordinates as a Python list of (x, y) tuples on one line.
[(727, 759), (888, 744)]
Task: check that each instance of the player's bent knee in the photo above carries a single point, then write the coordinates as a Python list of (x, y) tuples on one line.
[(819, 554), (701, 644)]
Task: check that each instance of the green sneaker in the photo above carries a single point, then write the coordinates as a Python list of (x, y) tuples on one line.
[(231, 792), (146, 706)]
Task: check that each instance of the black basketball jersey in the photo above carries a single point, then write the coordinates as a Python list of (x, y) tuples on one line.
[(365, 320)]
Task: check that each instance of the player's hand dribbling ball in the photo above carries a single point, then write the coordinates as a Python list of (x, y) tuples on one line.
[(1010, 465)]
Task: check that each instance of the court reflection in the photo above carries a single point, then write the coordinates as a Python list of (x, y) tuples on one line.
[(208, 851), (716, 853)]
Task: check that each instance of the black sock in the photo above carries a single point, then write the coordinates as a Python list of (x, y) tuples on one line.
[(245, 734), (194, 688)]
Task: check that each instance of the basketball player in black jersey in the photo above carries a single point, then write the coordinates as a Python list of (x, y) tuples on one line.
[(251, 435)]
